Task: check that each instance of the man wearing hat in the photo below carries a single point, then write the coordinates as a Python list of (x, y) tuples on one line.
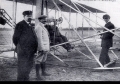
[(107, 41), (25, 40), (2, 20), (43, 47), (56, 37)]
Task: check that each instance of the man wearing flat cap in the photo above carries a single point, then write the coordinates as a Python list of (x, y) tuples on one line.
[(107, 41), (42, 17), (25, 40), (43, 47)]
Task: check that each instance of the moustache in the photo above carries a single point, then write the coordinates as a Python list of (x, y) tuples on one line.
[(29, 19)]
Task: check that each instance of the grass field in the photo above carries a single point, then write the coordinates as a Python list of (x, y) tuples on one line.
[(80, 67)]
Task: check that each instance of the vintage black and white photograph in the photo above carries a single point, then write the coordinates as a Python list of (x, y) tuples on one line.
[(59, 40)]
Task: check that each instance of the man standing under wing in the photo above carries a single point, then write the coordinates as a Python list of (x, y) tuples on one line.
[(107, 41), (43, 47), (25, 40)]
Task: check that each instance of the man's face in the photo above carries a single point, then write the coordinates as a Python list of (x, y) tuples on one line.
[(28, 18), (43, 20), (106, 19)]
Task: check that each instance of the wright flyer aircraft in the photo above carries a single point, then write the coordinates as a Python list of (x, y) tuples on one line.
[(68, 6)]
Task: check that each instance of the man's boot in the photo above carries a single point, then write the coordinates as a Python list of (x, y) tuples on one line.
[(37, 67), (43, 68)]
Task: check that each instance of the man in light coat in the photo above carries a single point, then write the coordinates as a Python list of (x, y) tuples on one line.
[(43, 47)]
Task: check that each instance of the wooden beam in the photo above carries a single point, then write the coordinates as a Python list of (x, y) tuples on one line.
[(89, 18), (13, 20), (0, 4), (106, 68), (38, 10), (46, 3), (42, 8), (80, 37), (88, 10), (57, 57), (111, 62), (83, 54)]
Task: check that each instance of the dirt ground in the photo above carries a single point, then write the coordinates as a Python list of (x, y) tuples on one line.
[(76, 66)]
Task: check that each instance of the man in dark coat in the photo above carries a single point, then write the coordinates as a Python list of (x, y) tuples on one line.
[(25, 40), (107, 41), (56, 37)]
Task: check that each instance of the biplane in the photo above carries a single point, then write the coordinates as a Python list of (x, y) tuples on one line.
[(70, 7)]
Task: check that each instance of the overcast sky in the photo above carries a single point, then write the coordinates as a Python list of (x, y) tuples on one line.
[(111, 7)]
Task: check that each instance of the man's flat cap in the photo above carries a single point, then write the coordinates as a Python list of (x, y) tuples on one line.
[(106, 16), (27, 13), (42, 17)]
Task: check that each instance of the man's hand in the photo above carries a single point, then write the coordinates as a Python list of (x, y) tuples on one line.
[(99, 33), (101, 37)]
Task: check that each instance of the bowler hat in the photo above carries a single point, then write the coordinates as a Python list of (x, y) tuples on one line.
[(27, 13), (42, 17), (106, 16)]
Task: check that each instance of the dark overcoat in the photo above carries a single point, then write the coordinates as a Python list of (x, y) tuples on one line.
[(25, 36), (107, 38), (25, 40)]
